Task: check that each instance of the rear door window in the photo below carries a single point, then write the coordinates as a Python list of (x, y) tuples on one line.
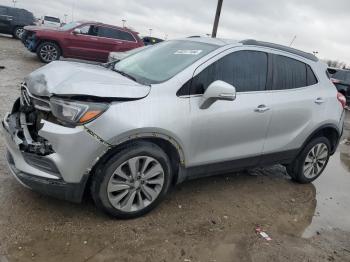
[(289, 73), (113, 33), (245, 70)]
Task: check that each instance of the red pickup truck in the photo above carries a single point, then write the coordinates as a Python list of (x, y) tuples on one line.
[(81, 40)]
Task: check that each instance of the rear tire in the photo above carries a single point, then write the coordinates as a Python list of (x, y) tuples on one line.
[(48, 52), (132, 182), (311, 161)]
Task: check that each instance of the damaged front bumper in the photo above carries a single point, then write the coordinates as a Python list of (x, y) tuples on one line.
[(57, 164), (29, 40)]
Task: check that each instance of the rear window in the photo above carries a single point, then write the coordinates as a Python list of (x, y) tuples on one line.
[(115, 34), (52, 19), (289, 73), (342, 75)]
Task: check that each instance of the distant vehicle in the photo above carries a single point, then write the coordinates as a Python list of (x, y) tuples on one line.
[(12, 20), (51, 21), (117, 56), (82, 40), (341, 79), (149, 40)]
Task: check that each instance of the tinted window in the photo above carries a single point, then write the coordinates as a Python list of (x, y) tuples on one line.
[(89, 30), (3, 10), (288, 73), (52, 19), (342, 75), (245, 70), (115, 33), (311, 78)]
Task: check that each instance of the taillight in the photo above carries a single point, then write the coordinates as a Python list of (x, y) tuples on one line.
[(341, 98)]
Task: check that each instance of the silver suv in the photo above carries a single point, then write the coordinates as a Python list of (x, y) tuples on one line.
[(178, 110)]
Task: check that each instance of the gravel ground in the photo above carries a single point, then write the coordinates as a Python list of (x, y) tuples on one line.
[(210, 219)]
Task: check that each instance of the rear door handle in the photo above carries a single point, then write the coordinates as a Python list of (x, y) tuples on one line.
[(319, 100), (261, 109)]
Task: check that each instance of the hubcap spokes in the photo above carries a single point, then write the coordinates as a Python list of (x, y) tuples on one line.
[(315, 160), (19, 32), (48, 53), (135, 184)]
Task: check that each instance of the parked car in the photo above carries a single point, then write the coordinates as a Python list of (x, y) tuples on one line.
[(179, 110), (12, 20), (51, 21), (81, 40), (149, 40), (117, 56), (341, 79)]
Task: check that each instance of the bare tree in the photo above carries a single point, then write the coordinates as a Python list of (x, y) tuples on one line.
[(335, 63)]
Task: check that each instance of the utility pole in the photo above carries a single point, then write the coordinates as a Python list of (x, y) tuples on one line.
[(65, 18), (14, 3), (292, 41), (150, 31), (124, 21), (217, 18)]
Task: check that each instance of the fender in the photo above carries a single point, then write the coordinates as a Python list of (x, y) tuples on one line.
[(319, 129), (147, 134)]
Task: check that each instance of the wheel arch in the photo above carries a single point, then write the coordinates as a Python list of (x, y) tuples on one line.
[(166, 143), (330, 131), (40, 41)]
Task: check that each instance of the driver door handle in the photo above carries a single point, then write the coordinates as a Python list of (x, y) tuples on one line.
[(261, 109)]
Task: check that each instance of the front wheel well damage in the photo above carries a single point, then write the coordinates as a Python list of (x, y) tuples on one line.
[(168, 147)]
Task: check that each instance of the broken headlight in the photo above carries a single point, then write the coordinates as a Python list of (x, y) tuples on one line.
[(76, 112)]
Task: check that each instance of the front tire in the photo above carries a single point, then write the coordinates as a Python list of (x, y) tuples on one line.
[(18, 32), (48, 52), (311, 162), (133, 182)]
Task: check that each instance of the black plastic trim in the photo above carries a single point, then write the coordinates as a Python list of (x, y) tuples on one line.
[(285, 157), (60, 189)]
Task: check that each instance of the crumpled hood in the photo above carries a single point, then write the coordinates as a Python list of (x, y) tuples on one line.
[(71, 78)]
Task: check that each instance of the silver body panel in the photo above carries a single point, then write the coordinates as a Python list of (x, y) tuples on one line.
[(226, 131)]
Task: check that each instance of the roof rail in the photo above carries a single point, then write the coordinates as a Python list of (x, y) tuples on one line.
[(280, 47)]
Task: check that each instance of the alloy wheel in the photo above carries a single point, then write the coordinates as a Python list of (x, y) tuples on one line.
[(315, 160), (135, 184), (19, 32), (48, 53)]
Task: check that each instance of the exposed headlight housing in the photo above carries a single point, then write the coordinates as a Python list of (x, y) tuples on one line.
[(76, 112)]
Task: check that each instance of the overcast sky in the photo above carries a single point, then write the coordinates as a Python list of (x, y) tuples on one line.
[(319, 25)]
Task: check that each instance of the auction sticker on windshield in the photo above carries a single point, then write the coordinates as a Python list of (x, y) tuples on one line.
[(188, 52)]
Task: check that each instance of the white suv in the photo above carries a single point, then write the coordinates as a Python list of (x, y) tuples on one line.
[(179, 110)]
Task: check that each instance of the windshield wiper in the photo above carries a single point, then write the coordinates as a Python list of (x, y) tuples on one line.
[(125, 74)]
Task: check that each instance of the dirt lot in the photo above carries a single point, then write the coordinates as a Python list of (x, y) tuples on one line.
[(211, 219)]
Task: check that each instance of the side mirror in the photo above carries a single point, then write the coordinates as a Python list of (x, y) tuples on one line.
[(218, 90), (77, 31)]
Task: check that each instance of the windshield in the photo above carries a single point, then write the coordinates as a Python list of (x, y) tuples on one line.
[(52, 19), (342, 75), (70, 26), (163, 61)]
